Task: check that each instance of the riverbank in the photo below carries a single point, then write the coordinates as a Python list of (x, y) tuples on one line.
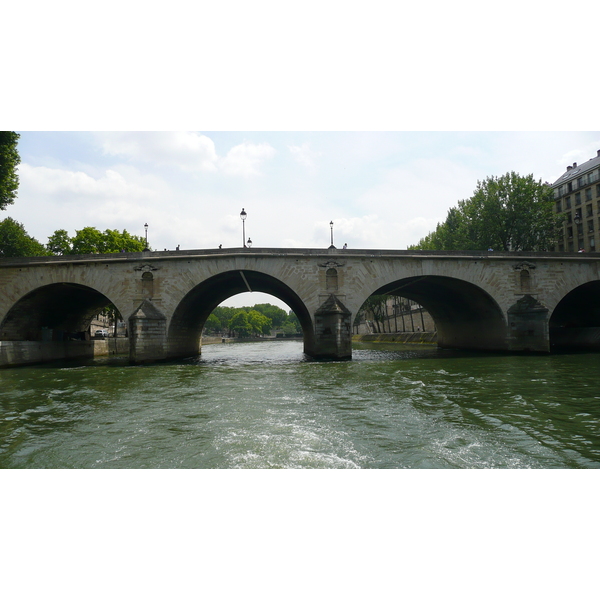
[(406, 337)]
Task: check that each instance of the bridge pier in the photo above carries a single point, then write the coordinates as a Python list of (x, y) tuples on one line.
[(333, 331), (148, 334), (528, 326)]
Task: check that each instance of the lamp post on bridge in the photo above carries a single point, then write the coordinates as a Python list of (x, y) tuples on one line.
[(243, 216), (146, 229), (331, 226)]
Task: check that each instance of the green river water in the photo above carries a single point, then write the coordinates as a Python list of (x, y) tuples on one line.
[(265, 406)]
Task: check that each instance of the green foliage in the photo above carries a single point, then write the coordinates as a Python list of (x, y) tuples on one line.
[(376, 305), (224, 314), (90, 240), (289, 328), (9, 161), (261, 325), (239, 324), (277, 315), (213, 325), (14, 240), (261, 320), (510, 212), (293, 320), (59, 242)]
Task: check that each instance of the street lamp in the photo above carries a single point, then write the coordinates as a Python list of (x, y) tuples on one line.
[(243, 216), (331, 226), (146, 228), (249, 243)]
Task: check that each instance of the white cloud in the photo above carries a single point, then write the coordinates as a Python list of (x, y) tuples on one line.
[(64, 185), (187, 150), (245, 159), (303, 155)]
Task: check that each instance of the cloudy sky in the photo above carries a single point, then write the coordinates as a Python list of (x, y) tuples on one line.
[(381, 190)]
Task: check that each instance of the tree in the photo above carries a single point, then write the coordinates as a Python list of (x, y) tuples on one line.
[(277, 315), (376, 305), (239, 324), (224, 314), (260, 323), (14, 240), (510, 212), (293, 319), (59, 242), (90, 240), (513, 213), (213, 324), (9, 161)]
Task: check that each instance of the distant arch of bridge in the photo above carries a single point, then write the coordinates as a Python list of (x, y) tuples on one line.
[(480, 301)]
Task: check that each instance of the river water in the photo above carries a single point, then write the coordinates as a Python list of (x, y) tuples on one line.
[(265, 405)]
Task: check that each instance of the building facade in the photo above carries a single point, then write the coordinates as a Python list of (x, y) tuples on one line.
[(577, 197)]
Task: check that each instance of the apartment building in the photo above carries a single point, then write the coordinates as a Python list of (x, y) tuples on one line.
[(577, 197)]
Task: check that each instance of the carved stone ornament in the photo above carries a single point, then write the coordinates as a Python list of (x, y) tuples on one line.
[(332, 264), (524, 265), (146, 268)]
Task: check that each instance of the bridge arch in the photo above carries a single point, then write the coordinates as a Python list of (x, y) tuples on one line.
[(57, 311), (575, 321), (465, 315), (185, 328)]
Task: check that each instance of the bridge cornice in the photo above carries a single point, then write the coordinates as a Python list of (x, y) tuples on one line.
[(126, 257)]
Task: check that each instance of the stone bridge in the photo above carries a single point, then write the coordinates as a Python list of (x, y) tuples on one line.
[(515, 302)]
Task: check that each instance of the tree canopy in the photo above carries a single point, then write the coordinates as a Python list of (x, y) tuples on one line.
[(14, 240), (90, 240), (510, 212), (9, 161), (257, 320)]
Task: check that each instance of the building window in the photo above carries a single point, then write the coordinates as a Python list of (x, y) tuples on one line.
[(568, 202), (592, 243), (570, 232), (558, 207), (590, 226), (588, 194), (590, 210), (598, 191), (580, 230), (577, 198)]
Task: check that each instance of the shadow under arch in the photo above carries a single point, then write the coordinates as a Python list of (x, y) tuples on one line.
[(58, 311), (575, 322), (465, 315), (185, 330)]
